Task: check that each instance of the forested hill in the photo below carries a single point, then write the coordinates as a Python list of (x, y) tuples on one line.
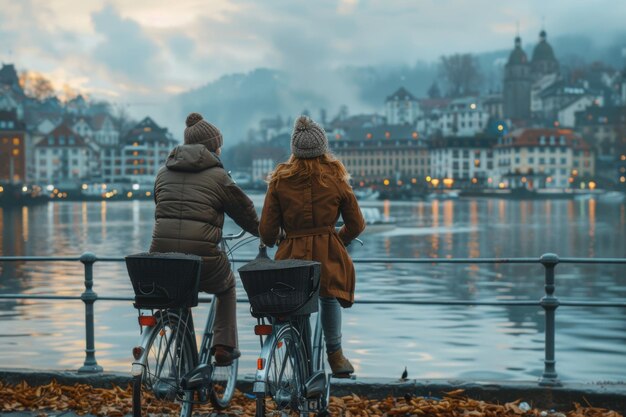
[(236, 102)]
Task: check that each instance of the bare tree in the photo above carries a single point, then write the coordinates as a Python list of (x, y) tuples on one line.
[(36, 85), (68, 93), (122, 120), (433, 91), (461, 74)]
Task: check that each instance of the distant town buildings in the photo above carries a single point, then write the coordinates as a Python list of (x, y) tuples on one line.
[(65, 156), (544, 129), (13, 137), (78, 142), (517, 84), (142, 152), (466, 161), (542, 158), (394, 153), (401, 108)]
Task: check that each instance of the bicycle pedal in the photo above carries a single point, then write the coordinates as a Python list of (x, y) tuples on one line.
[(343, 376)]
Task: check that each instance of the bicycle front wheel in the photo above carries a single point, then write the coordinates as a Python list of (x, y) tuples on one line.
[(285, 373), (168, 355), (223, 379)]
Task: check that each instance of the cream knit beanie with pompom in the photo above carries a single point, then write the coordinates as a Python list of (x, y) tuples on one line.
[(308, 139)]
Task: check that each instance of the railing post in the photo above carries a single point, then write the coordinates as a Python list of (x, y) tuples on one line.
[(89, 297), (549, 303)]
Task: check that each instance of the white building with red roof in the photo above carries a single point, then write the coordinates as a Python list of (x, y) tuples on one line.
[(64, 155), (542, 158)]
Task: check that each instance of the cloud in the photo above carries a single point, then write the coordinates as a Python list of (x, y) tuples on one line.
[(125, 49), (145, 49), (347, 6)]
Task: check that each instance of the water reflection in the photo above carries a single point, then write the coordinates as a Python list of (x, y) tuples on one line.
[(434, 341)]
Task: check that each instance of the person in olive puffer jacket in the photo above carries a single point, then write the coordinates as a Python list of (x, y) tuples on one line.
[(192, 193)]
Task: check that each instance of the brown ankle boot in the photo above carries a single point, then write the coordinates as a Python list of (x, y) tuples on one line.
[(339, 364)]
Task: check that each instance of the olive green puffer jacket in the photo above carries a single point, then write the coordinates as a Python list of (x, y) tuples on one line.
[(192, 192)]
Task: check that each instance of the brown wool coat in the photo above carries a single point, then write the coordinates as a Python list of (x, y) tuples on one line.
[(308, 212), (192, 193)]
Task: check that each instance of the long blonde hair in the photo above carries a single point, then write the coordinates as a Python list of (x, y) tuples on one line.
[(307, 167)]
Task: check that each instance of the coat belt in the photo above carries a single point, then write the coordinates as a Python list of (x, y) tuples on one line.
[(314, 231)]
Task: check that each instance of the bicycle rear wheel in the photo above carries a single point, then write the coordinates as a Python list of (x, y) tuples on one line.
[(168, 355), (286, 371)]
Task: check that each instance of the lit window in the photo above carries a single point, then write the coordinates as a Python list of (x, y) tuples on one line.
[(16, 141)]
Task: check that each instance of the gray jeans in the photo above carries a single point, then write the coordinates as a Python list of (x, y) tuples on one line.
[(330, 316)]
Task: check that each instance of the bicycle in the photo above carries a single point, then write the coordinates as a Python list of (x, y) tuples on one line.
[(290, 368), (168, 367)]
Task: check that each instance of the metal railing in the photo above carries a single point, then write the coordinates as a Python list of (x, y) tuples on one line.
[(548, 302)]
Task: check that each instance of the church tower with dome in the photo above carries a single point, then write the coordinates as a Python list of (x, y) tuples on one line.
[(517, 84), (543, 61)]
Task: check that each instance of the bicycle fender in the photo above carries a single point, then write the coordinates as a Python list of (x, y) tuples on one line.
[(261, 374), (139, 364)]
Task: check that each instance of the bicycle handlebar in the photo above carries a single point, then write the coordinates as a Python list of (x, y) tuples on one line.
[(234, 236), (356, 238)]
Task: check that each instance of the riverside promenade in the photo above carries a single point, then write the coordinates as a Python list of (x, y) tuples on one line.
[(450, 397), (390, 397)]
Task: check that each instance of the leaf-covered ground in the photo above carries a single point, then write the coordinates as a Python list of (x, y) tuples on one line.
[(117, 402)]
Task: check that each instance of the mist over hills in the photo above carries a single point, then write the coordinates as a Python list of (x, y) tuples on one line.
[(236, 102)]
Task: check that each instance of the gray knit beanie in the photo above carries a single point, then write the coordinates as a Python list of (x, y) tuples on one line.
[(200, 131), (308, 139)]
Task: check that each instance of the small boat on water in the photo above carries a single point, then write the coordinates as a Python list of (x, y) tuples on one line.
[(374, 220), (443, 195), (366, 194), (611, 197)]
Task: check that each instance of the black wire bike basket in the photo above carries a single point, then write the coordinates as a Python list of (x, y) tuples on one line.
[(281, 288), (164, 280)]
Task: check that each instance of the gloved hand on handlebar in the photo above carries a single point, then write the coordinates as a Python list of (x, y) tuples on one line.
[(281, 236)]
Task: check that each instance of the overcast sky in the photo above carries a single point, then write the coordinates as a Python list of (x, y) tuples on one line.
[(126, 50)]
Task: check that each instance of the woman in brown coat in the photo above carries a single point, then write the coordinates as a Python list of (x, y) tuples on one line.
[(305, 197)]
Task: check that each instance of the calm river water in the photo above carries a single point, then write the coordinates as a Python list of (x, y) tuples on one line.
[(431, 341)]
